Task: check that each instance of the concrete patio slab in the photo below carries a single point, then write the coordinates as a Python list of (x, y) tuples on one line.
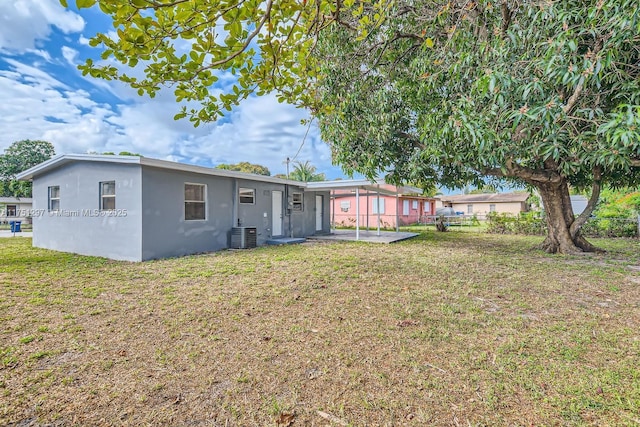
[(286, 241), (366, 236)]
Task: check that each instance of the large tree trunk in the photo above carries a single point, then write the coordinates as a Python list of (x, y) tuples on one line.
[(561, 236)]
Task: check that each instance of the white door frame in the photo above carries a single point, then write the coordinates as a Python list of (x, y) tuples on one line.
[(276, 214), (319, 213)]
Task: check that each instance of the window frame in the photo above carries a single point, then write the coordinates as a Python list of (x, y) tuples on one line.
[(247, 190), (406, 208), (104, 197), (51, 199), (492, 207), (469, 209), (297, 203), (375, 202), (190, 201), (345, 205), (414, 205), (11, 211)]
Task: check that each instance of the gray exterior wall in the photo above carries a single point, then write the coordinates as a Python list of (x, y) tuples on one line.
[(165, 231), (260, 214), (304, 223), (79, 226)]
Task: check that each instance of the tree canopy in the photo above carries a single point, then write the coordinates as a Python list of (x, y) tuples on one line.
[(246, 167), (18, 157), (545, 94), (306, 172)]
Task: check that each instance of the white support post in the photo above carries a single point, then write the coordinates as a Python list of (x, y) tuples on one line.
[(397, 211), (367, 210), (357, 213), (333, 211), (378, 207)]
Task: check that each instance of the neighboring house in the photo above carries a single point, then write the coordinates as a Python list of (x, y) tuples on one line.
[(15, 209), (137, 208), (409, 207), (482, 204)]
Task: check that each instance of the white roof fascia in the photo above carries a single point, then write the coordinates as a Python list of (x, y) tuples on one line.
[(147, 161), (68, 158), (164, 164)]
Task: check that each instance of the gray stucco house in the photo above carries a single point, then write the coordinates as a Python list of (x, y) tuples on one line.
[(137, 208)]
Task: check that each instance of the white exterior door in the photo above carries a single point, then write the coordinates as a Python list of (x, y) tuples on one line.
[(276, 213), (318, 213)]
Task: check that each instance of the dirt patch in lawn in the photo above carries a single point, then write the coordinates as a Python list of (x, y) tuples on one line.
[(440, 330)]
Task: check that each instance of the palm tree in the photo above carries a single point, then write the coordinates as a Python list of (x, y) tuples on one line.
[(306, 172)]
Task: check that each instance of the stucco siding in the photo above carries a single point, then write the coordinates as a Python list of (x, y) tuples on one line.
[(79, 226), (304, 222), (166, 233)]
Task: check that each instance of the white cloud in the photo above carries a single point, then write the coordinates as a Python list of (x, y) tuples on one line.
[(24, 22), (83, 40), (260, 130), (70, 55), (37, 105)]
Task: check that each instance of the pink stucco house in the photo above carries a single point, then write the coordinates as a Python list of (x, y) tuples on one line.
[(393, 205)]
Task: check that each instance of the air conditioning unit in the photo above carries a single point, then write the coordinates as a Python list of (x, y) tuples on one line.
[(244, 237)]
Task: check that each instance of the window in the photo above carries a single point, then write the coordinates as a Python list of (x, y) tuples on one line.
[(492, 208), (107, 195), (54, 198), (414, 205), (345, 206), (377, 204), (247, 196), (194, 202), (12, 210), (469, 209), (297, 201), (405, 207), (427, 207)]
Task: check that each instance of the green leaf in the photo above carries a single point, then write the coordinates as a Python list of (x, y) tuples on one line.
[(83, 4)]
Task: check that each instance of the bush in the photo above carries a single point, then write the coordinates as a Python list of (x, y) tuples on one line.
[(610, 227), (524, 223), (532, 223)]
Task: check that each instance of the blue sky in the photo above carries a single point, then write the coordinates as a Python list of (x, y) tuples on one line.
[(46, 97)]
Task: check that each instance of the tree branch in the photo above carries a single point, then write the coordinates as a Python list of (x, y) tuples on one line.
[(514, 170), (259, 25), (591, 205), (506, 17), (573, 99), (635, 163)]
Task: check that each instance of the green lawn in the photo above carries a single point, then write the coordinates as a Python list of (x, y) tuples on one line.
[(445, 329)]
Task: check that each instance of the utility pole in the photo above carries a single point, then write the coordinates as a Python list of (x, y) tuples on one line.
[(287, 162)]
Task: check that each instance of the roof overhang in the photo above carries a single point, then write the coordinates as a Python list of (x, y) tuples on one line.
[(376, 185), (62, 160)]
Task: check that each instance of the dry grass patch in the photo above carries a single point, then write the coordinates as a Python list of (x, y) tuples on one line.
[(445, 329)]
